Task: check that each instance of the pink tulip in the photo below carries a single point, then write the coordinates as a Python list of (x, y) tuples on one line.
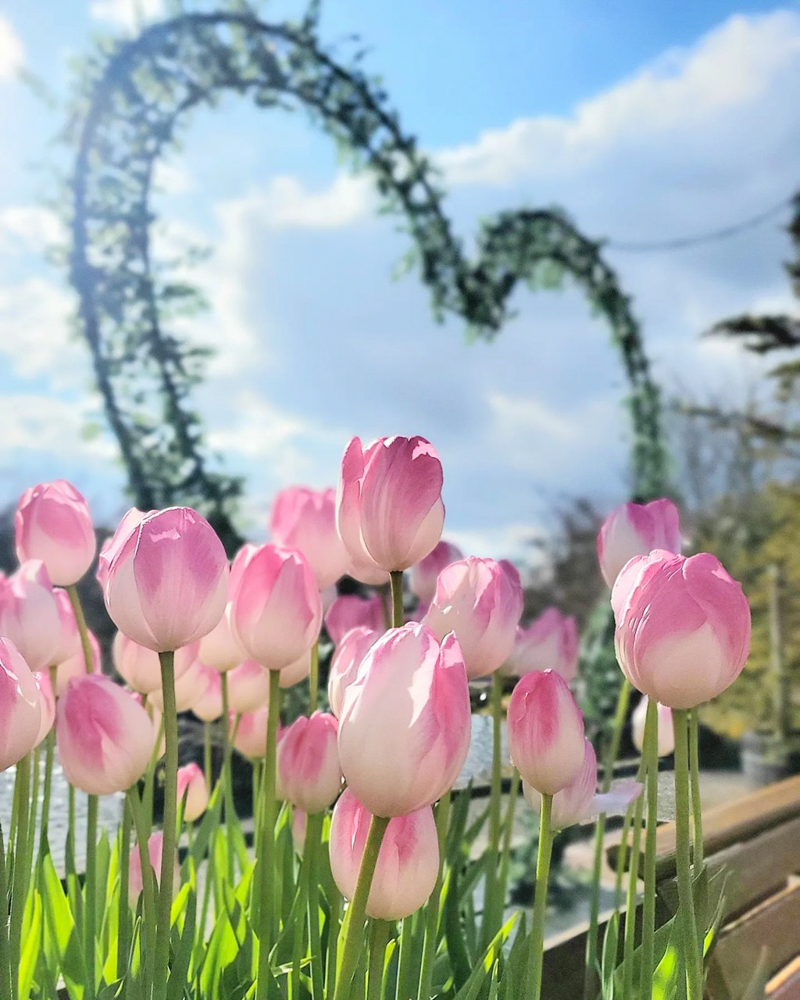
[(580, 802), (305, 519), (20, 706), (296, 672), (389, 508), (132, 519), (249, 733), (346, 661), (351, 611), (75, 666), (168, 583), (221, 649), (405, 724), (276, 611), (207, 701), (104, 737), (69, 636), (140, 667), (550, 642), (155, 716), (634, 529), (408, 860), (29, 614), (425, 573), (192, 784), (683, 628), (545, 732), (186, 688), (155, 849), (53, 524), (666, 734), (47, 702), (482, 603), (308, 762), (248, 687)]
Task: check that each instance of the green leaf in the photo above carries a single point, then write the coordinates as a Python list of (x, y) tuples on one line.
[(61, 926)]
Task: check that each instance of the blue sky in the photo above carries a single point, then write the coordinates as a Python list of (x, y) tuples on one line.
[(645, 121)]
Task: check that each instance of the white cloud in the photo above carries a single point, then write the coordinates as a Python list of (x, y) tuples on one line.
[(128, 14), (12, 53), (529, 418), (287, 203), (57, 427), (34, 317), (29, 228)]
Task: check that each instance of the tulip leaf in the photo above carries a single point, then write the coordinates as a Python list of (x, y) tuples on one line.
[(61, 926), (30, 943), (182, 948), (456, 947)]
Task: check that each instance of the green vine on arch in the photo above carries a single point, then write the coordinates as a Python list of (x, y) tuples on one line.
[(133, 104)]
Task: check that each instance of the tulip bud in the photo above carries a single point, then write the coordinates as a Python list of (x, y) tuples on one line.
[(389, 508), (666, 734), (207, 700), (346, 661), (69, 636), (545, 732), (482, 603), (111, 546), (20, 706), (408, 860), (75, 666), (155, 715), (275, 606), (683, 628), (248, 687), (351, 611), (47, 701), (425, 573), (221, 649), (295, 672), (308, 762), (305, 519), (155, 849), (53, 524), (192, 784), (405, 724), (104, 737), (29, 614), (550, 642), (249, 733), (168, 583), (634, 529)]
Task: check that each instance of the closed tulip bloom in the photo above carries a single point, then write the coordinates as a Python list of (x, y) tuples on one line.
[(248, 687), (75, 666), (275, 606), (249, 733), (47, 701), (408, 860), (425, 573), (29, 614), (140, 667), (545, 732), (634, 529), (550, 642), (346, 661), (53, 524), (305, 519), (296, 672), (683, 629), (69, 636), (308, 762), (167, 585), (221, 649), (155, 849), (20, 706), (207, 701), (192, 784), (482, 603), (389, 503), (155, 716), (351, 611), (104, 736), (405, 724), (112, 545), (666, 734), (580, 802)]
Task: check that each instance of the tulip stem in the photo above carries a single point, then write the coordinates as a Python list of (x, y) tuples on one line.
[(148, 889), (124, 942), (50, 745), (266, 846), (540, 900), (226, 776), (508, 832), (19, 876), (434, 903), (357, 911), (86, 646), (649, 906), (207, 755), (313, 839), (630, 907), (90, 893), (6, 976), (396, 577), (379, 938), (692, 952), (170, 814), (493, 906), (694, 771), (609, 760), (313, 679)]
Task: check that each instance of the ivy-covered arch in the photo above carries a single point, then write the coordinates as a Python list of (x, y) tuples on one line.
[(135, 99)]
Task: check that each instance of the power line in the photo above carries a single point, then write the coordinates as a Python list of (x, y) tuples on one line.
[(681, 243)]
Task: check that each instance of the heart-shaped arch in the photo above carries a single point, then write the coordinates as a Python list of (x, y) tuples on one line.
[(141, 91)]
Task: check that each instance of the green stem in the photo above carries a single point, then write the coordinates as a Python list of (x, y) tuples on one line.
[(356, 914), (692, 953), (540, 900), (333, 944), (148, 889), (170, 815), (88, 655), (207, 755), (434, 903), (379, 938), (396, 578), (34, 810), (6, 977), (385, 595), (649, 906), (50, 746), (508, 832), (266, 845), (255, 781), (124, 942), (492, 908), (630, 909), (226, 778), (313, 679), (609, 760), (90, 895), (697, 808), (312, 845), (19, 877)]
